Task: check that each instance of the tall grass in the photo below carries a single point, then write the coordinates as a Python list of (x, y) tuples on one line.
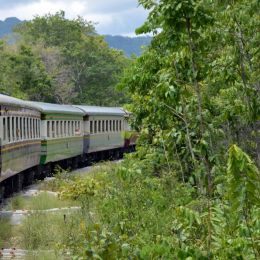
[(42, 201), (44, 231), (5, 232)]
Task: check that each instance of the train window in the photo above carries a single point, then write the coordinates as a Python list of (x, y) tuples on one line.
[(27, 127), (91, 126), (99, 126), (37, 128), (57, 129), (117, 125), (52, 129), (106, 125), (120, 125), (65, 128), (103, 126), (48, 129), (33, 128), (24, 133), (21, 128), (110, 125), (30, 128), (114, 126), (16, 129), (77, 128), (68, 128), (4, 128), (61, 128), (12, 129), (36, 131), (8, 129), (72, 128), (95, 126)]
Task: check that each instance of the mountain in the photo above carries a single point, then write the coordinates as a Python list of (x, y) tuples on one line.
[(6, 26), (130, 45)]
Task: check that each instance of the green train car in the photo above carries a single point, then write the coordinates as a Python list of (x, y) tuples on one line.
[(20, 144), (61, 133), (103, 128)]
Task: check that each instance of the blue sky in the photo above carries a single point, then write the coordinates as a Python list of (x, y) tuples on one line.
[(116, 17)]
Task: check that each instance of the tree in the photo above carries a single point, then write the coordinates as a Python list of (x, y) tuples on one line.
[(80, 64)]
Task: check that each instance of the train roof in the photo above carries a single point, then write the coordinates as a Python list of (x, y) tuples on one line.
[(47, 108), (7, 100), (96, 110)]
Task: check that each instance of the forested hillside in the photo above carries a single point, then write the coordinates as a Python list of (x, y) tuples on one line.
[(6, 26), (61, 61), (130, 45)]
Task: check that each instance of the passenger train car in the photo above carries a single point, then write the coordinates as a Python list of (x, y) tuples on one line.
[(103, 128), (61, 134), (36, 136), (20, 143)]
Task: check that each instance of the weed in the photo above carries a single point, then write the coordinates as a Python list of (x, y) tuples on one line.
[(5, 231)]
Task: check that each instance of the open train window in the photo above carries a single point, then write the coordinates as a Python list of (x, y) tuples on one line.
[(12, 128), (16, 129), (65, 128), (24, 127), (72, 128), (103, 126), (95, 126), (52, 129), (48, 129), (106, 125), (33, 128), (8, 130), (91, 127), (69, 128), (99, 126), (21, 128), (38, 128), (4, 128), (61, 129)]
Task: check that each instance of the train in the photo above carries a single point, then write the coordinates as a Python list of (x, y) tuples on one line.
[(35, 137)]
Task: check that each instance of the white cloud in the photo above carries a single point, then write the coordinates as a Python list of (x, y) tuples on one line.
[(112, 16)]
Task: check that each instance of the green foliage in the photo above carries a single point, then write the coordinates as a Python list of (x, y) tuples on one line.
[(244, 180), (61, 61), (5, 232)]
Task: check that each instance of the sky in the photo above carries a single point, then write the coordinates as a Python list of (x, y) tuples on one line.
[(115, 17)]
